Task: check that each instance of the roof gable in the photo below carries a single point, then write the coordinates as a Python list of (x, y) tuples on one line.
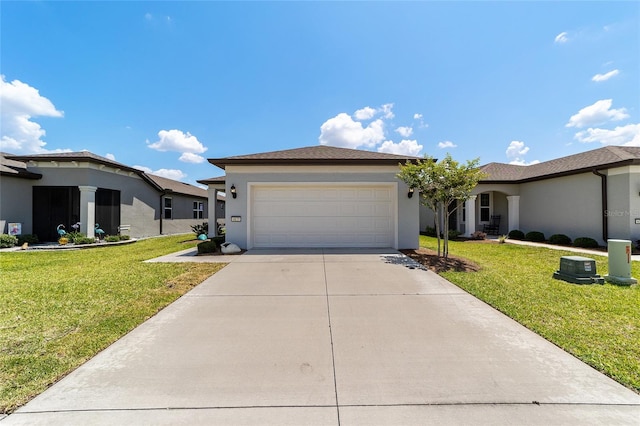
[(318, 154)]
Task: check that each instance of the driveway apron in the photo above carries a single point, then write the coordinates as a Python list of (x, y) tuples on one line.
[(331, 337)]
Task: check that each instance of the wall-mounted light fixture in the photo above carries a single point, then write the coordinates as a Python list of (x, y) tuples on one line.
[(234, 194), (410, 193)]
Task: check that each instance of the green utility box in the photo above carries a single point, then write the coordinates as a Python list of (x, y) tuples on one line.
[(578, 270)]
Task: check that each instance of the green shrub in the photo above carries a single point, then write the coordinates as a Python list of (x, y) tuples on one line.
[(516, 234), (27, 238), (218, 240), (560, 239), (207, 247), (535, 236), (453, 234), (430, 231), (72, 236), (112, 238), (7, 240), (201, 229), (84, 240), (585, 242), (124, 237)]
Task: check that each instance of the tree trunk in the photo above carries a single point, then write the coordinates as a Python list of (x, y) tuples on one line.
[(437, 223), (446, 232)]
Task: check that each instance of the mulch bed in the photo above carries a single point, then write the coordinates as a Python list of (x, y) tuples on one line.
[(429, 258)]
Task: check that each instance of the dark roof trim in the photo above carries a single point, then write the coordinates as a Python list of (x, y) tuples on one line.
[(223, 162), (219, 179), (315, 155), (22, 174)]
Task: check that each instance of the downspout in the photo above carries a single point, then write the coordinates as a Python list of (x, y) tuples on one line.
[(605, 208), (162, 194)]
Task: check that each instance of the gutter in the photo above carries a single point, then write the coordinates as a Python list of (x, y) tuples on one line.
[(605, 208)]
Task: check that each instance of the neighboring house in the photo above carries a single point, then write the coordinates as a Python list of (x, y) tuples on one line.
[(44, 190), (317, 196), (592, 194)]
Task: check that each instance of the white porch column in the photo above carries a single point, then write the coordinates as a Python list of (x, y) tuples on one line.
[(470, 213), (514, 212), (211, 211), (88, 210)]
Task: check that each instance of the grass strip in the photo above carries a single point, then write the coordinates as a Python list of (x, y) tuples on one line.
[(59, 308), (599, 324)]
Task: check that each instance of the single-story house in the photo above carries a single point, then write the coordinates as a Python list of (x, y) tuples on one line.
[(317, 196), (593, 194), (43, 191)]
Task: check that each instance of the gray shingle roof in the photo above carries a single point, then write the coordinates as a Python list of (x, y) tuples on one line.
[(318, 154), (177, 186), (14, 168), (602, 158), (73, 156)]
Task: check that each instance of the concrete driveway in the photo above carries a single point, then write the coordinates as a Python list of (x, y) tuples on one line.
[(331, 337)]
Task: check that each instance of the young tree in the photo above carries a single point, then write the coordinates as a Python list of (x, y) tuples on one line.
[(441, 184), (422, 176)]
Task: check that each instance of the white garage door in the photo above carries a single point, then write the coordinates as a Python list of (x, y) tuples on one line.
[(323, 216)]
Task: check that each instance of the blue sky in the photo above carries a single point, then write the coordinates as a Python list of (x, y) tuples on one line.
[(165, 85)]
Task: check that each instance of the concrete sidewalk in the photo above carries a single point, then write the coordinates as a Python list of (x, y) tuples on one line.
[(331, 337)]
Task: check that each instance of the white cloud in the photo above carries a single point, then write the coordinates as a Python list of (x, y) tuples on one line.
[(343, 131), (110, 156), (417, 116), (598, 113), (386, 110), (176, 140), (365, 113), (189, 157), (446, 144), (605, 77), (20, 103), (404, 147), (523, 162), (404, 131), (170, 173), (628, 135), (174, 174), (516, 152), (562, 37)]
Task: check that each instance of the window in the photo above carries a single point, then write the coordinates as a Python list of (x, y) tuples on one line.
[(485, 207), (168, 210), (198, 210)]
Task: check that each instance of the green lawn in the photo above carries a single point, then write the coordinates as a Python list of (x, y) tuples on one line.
[(59, 308), (600, 324)]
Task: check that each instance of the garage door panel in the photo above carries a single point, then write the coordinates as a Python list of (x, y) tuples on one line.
[(331, 216)]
